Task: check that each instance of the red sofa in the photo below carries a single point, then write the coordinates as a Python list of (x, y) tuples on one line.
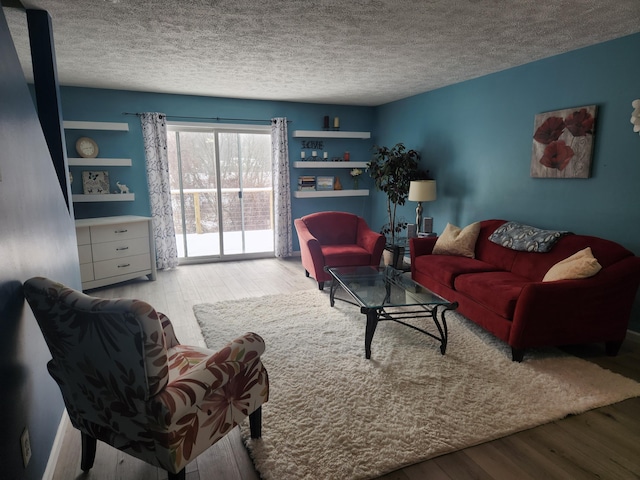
[(502, 290), (336, 239)]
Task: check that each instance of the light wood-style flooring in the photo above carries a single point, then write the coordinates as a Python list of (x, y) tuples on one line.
[(600, 444)]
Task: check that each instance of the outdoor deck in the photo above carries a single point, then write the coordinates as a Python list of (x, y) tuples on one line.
[(208, 244)]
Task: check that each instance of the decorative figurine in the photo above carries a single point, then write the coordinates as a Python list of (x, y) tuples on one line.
[(123, 188)]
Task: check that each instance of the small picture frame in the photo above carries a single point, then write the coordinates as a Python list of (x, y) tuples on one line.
[(95, 183), (324, 183)]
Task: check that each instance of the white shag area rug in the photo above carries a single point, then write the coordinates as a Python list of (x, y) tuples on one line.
[(332, 414)]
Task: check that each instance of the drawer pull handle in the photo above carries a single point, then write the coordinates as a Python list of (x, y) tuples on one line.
[(124, 265), (121, 231), (121, 248)]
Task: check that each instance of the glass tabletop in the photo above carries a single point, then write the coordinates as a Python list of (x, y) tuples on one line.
[(376, 287)]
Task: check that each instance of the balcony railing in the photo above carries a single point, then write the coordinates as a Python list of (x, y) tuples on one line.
[(201, 209)]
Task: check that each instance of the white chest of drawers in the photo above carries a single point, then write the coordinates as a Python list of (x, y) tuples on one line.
[(115, 249)]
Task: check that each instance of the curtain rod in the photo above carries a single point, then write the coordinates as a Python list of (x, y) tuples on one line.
[(217, 119)]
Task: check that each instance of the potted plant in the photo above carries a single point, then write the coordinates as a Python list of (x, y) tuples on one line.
[(392, 170)]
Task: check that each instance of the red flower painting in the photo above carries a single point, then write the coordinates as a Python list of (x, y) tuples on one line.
[(580, 123), (549, 131), (557, 155), (563, 143)]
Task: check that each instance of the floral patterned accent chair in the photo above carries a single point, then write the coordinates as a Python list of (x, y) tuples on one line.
[(336, 239), (127, 381)]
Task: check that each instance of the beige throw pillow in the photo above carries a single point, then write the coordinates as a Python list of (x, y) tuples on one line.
[(457, 241), (581, 264)]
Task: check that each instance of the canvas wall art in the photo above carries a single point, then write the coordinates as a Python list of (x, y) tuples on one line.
[(95, 183), (324, 183), (563, 143)]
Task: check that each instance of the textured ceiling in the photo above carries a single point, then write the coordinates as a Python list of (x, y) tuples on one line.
[(358, 52)]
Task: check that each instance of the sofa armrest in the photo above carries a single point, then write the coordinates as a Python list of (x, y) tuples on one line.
[(169, 332), (581, 311), (304, 234), (418, 247), (372, 242), (367, 238), (310, 248), (178, 398), (421, 246)]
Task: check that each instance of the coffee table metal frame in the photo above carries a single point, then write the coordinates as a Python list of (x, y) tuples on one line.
[(386, 283)]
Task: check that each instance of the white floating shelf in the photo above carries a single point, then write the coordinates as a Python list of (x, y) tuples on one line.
[(330, 134), (106, 197), (122, 127), (330, 193), (99, 162), (330, 164)]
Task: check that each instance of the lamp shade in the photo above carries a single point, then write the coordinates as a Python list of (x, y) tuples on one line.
[(422, 191)]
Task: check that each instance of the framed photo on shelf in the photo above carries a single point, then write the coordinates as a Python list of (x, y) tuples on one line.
[(324, 183), (95, 183)]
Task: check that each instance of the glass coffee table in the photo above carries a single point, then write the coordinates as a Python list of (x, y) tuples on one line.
[(384, 293)]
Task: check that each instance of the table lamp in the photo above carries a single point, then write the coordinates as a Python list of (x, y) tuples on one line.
[(421, 191)]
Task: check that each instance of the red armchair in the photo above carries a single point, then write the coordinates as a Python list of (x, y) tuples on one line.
[(336, 239)]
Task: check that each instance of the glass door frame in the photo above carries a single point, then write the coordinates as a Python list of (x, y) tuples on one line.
[(215, 128)]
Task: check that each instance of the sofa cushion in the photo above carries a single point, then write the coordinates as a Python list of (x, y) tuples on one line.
[(525, 238), (345, 255), (491, 253), (444, 268), (581, 264), (457, 241), (333, 228), (497, 291)]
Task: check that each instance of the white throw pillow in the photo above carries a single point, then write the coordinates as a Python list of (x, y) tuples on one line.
[(581, 264), (457, 241)]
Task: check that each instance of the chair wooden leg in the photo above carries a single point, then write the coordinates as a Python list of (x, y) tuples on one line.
[(517, 354), (255, 423), (181, 475), (306, 273), (320, 285), (88, 451), (612, 348)]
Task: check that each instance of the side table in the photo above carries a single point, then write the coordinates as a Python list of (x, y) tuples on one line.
[(398, 249)]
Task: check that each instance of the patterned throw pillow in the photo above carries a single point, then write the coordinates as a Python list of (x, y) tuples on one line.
[(524, 238), (457, 241)]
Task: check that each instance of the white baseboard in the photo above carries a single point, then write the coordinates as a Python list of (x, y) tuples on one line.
[(56, 447)]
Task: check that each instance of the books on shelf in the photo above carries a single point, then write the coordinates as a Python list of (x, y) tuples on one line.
[(306, 183)]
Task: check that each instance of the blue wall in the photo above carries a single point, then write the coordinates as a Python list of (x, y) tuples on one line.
[(37, 237), (109, 105), (476, 139)]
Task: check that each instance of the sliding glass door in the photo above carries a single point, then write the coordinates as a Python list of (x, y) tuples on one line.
[(221, 186)]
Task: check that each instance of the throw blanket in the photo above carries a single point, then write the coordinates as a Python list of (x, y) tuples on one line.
[(525, 238)]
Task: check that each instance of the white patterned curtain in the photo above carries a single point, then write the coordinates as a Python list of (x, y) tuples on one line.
[(281, 187), (154, 134)]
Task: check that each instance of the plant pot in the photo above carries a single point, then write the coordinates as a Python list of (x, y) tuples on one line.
[(388, 257)]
